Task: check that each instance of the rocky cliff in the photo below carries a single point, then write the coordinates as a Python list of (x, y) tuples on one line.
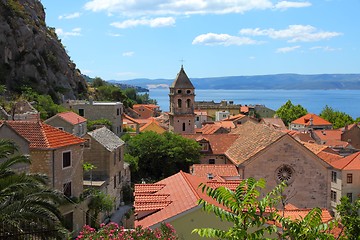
[(31, 55)]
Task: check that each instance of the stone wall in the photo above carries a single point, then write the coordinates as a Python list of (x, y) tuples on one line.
[(309, 185)]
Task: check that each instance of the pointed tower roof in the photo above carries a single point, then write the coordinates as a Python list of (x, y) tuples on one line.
[(182, 80)]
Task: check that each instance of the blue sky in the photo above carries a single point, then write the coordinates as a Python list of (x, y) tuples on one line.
[(127, 39)]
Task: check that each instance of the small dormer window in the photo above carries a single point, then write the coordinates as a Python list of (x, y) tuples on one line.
[(210, 176), (204, 146)]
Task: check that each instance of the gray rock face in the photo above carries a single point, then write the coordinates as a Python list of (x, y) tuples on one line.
[(32, 55)]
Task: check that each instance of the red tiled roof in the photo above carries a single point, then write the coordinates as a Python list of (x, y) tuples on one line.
[(150, 206), (235, 117), (328, 134), (184, 193), (202, 170), (148, 188), (351, 162), (276, 123), (71, 117), (314, 147), (209, 129), (225, 124), (219, 143), (43, 136), (252, 139), (150, 106), (132, 120), (145, 197), (316, 120), (329, 157), (336, 143), (244, 109)]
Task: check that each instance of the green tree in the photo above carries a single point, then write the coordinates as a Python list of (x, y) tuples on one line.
[(160, 155), (100, 202), (98, 82), (337, 118), (289, 112), (25, 199), (251, 214), (350, 217), (248, 214)]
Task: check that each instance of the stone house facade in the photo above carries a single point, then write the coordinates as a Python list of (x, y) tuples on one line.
[(147, 110), (92, 110), (57, 154), (105, 151), (351, 134), (69, 122)]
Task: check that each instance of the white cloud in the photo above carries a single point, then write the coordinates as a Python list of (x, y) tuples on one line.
[(154, 22), (325, 48), (212, 39), (185, 7), (70, 16), (286, 4), (128, 54), (294, 33), (74, 32), (114, 34), (287, 49)]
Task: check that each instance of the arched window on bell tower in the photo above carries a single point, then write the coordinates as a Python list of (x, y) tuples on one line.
[(183, 127), (188, 103), (179, 102)]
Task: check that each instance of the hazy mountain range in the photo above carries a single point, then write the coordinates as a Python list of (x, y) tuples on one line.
[(278, 81)]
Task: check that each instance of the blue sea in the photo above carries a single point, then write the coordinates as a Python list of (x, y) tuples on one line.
[(314, 101)]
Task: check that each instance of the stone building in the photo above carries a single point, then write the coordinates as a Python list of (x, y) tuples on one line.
[(261, 152), (69, 122), (182, 98), (57, 154), (105, 151), (92, 110)]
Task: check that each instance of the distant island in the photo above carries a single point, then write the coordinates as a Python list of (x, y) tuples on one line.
[(260, 82)]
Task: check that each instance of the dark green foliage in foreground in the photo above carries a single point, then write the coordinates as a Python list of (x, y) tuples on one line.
[(156, 156), (25, 199), (250, 215), (350, 217)]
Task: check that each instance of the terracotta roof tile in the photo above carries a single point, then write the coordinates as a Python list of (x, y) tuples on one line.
[(329, 157), (252, 139), (316, 120), (43, 136), (235, 117), (328, 134), (71, 117), (150, 206), (314, 147), (202, 170), (129, 119), (244, 109), (148, 188), (351, 162), (143, 197), (219, 143), (275, 123), (184, 193)]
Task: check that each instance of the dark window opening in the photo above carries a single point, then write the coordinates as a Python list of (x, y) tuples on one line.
[(66, 159)]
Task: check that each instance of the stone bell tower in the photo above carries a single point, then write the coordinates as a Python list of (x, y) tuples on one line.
[(182, 99)]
